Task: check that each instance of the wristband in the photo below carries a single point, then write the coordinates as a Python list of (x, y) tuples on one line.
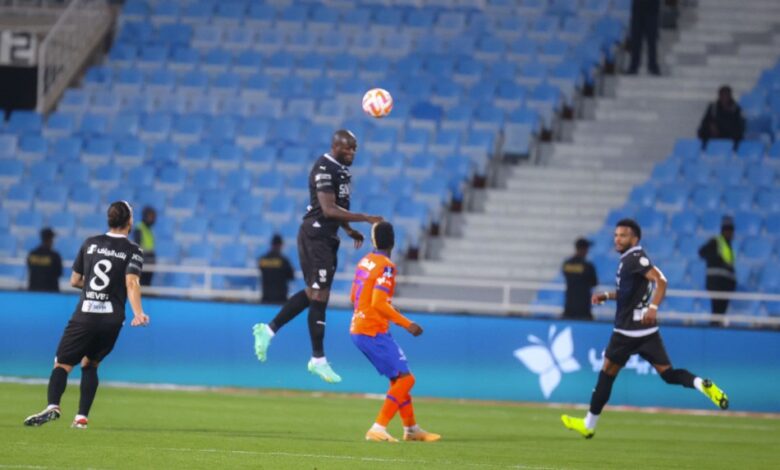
[(606, 295), (653, 306)]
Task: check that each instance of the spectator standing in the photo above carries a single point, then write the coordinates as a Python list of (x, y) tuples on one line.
[(719, 256), (44, 265), (275, 273), (644, 27), (723, 119), (581, 278), (144, 237)]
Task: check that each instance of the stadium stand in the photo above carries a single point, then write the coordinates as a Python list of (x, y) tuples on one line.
[(257, 87)]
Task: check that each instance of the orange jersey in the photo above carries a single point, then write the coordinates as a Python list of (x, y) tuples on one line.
[(372, 293)]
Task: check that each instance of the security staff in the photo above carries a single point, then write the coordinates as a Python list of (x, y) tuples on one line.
[(581, 278), (144, 237), (44, 265), (276, 272), (719, 256)]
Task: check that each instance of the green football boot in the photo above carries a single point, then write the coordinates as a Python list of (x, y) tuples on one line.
[(324, 371), (715, 394), (577, 424), (262, 340)]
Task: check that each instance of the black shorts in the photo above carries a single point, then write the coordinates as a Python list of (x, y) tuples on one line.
[(319, 259), (650, 348), (90, 339)]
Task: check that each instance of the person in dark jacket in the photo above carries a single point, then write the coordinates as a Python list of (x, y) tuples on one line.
[(644, 28), (276, 272), (719, 256), (44, 265), (581, 278), (723, 119)]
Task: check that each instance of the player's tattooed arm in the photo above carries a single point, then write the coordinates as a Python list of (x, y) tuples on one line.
[(77, 280), (133, 284), (332, 210), (655, 276)]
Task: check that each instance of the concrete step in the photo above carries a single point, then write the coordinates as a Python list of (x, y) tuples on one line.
[(568, 211), (581, 188), (549, 247), (542, 173), (444, 269), (553, 199), (504, 260)]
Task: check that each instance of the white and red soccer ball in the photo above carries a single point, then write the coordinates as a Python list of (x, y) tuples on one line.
[(377, 102)]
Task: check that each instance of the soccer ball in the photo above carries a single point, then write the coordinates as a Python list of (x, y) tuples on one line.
[(377, 102)]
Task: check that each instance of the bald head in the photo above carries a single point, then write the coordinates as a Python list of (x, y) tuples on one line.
[(343, 146)]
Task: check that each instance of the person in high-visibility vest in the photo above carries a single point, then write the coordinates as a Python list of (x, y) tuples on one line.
[(719, 256), (145, 238)]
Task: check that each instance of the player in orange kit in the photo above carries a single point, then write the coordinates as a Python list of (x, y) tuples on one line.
[(372, 293)]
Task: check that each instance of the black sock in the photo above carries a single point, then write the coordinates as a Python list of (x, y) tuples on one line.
[(89, 386), (57, 383), (601, 393), (294, 306), (317, 327), (678, 377)]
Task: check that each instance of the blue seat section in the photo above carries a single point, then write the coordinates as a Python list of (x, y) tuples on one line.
[(213, 112)]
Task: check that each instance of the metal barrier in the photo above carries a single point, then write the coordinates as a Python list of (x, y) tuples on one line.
[(495, 297), (67, 46)]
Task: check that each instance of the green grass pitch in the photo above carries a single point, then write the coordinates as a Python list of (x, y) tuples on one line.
[(139, 428)]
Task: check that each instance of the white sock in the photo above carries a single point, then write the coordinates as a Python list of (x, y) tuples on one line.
[(699, 384), (319, 360), (378, 427), (414, 428), (78, 417), (591, 420), (52, 406), (270, 331)]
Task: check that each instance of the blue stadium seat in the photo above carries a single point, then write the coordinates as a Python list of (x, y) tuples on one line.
[(24, 121), (687, 149), (187, 128), (294, 160), (216, 202), (11, 172), (63, 223), (98, 151), (651, 220), (772, 224), (192, 230), (106, 176), (644, 195), (164, 153), (182, 204), (268, 184), (281, 209), (60, 124), (698, 172), (7, 245), (719, 148), (256, 231), (705, 197), (738, 198), (171, 179), (748, 223), (750, 149), (768, 199), (90, 225), (769, 279), (153, 198), (198, 254), (684, 223), (32, 147), (234, 256), (166, 251), (224, 228), (227, 157), (755, 250), (129, 153)]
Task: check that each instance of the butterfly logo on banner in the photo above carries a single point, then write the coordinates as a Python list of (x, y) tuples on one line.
[(551, 359)]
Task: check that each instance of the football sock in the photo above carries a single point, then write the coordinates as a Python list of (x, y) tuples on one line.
[(406, 410), (317, 327), (699, 384), (89, 386), (678, 377), (294, 306), (413, 428), (601, 393), (57, 383), (399, 389), (591, 420), (378, 427)]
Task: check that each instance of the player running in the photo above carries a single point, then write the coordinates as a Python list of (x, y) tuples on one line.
[(107, 269), (372, 293), (318, 244), (636, 329)]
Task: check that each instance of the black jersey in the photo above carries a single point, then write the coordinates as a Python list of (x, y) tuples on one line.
[(104, 260), (634, 291), (327, 175)]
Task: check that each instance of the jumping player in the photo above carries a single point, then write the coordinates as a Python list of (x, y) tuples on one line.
[(372, 293), (318, 244), (636, 329), (107, 269)]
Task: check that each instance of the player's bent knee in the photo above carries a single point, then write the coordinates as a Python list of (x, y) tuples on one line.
[(68, 368), (89, 363), (320, 295), (668, 375)]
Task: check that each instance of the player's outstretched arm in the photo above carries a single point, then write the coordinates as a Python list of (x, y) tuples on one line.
[(332, 210), (655, 276), (77, 280), (380, 302), (133, 283)]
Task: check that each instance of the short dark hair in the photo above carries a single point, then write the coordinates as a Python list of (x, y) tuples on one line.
[(630, 223), (383, 236), (47, 234), (119, 214), (276, 239)]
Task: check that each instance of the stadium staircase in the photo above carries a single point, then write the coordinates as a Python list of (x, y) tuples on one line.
[(524, 229)]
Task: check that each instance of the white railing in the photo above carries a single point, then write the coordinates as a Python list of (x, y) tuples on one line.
[(495, 296), (67, 46)]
